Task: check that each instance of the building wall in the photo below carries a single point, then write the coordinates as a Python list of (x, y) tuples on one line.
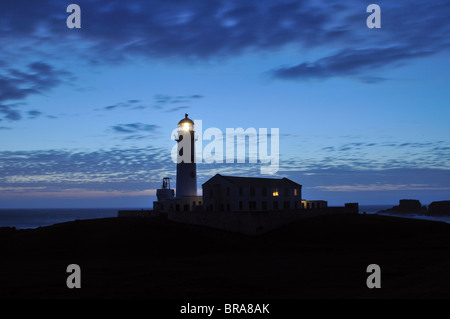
[(182, 204), (314, 204), (221, 195)]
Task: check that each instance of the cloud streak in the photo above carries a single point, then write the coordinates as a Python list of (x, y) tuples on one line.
[(103, 170), (167, 103), (134, 128), (350, 62), (17, 85)]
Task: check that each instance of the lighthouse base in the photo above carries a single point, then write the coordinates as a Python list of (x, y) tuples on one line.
[(179, 204)]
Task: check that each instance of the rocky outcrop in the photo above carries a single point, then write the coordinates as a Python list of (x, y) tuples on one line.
[(407, 206), (440, 208)]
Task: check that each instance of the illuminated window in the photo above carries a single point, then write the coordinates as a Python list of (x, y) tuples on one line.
[(275, 192), (295, 192)]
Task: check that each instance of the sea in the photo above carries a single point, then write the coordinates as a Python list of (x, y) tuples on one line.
[(34, 218)]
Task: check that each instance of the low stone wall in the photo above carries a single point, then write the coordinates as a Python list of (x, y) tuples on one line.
[(251, 223)]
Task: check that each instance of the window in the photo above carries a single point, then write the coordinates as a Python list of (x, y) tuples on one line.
[(240, 191), (264, 205), (228, 191), (228, 207), (210, 193), (286, 205), (275, 192), (286, 192), (252, 191), (264, 191), (241, 205), (252, 205), (177, 207), (295, 192), (275, 205)]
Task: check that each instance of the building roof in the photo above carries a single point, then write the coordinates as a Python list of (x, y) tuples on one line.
[(257, 181)]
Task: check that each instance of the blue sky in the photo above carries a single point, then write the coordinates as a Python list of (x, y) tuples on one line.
[(86, 115)]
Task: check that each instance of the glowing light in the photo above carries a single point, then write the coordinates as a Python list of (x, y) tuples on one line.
[(275, 192), (186, 126)]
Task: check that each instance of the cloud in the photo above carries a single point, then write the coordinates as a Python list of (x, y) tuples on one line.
[(104, 170), (129, 104), (350, 62), (134, 127), (373, 156), (371, 79), (37, 78), (128, 172), (171, 103), (18, 84), (135, 131), (66, 173), (168, 103), (34, 114), (10, 112), (177, 108), (192, 30)]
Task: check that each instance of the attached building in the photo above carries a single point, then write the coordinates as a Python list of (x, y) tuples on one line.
[(314, 204), (232, 193)]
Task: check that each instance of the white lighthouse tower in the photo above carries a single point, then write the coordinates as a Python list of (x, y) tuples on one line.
[(186, 166), (186, 198)]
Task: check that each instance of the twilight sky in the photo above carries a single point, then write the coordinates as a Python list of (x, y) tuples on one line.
[(86, 115)]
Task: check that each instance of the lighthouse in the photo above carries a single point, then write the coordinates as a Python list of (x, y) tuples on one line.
[(186, 198), (186, 166)]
